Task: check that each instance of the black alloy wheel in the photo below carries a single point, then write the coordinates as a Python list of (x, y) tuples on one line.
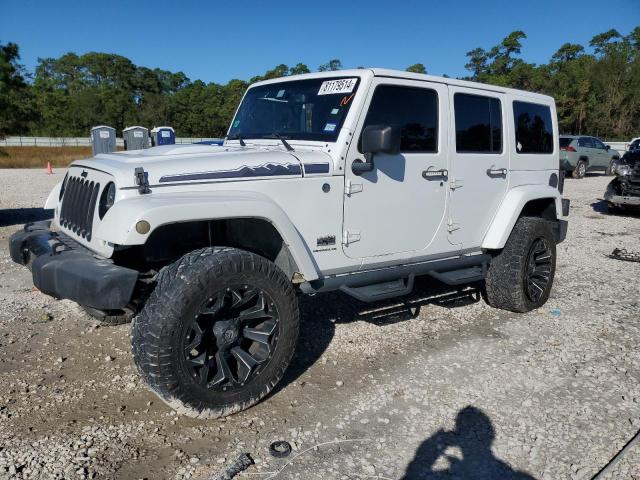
[(538, 269), (233, 334)]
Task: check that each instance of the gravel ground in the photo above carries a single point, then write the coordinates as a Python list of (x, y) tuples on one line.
[(435, 385)]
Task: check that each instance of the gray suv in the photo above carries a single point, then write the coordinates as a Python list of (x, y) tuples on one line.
[(580, 154)]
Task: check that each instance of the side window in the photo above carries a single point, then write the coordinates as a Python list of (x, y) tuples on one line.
[(478, 124), (533, 127), (598, 144), (414, 110), (586, 142)]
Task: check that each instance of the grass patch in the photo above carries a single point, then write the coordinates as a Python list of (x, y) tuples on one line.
[(37, 157)]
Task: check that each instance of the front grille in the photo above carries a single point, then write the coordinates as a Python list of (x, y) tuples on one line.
[(79, 205)]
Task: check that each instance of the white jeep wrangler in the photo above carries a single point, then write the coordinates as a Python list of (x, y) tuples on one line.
[(355, 180)]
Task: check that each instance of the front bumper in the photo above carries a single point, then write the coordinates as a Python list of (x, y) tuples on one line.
[(616, 195), (623, 200), (63, 268)]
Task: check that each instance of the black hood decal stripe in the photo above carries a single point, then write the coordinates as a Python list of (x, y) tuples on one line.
[(266, 170)]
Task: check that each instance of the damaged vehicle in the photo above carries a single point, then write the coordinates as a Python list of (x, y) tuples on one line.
[(357, 181), (624, 190)]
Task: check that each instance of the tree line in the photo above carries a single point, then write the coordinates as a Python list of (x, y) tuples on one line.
[(597, 89)]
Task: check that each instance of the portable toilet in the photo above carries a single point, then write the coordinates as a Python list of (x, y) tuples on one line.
[(103, 139), (162, 136), (135, 138)]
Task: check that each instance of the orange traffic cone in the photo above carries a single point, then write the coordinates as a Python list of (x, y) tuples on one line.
[(49, 169)]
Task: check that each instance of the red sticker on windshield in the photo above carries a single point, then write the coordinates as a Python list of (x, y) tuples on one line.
[(346, 100)]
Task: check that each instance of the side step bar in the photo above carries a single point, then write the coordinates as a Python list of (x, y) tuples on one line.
[(381, 291), (392, 282)]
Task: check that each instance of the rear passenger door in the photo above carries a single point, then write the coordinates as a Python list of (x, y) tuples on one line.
[(479, 163), (586, 149), (602, 156)]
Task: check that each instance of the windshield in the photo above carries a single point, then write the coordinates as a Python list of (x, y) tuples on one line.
[(298, 110)]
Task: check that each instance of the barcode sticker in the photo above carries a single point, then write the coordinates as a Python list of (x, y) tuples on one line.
[(342, 85)]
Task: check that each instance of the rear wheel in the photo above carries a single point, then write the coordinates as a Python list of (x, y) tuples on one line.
[(217, 333), (581, 169), (520, 277)]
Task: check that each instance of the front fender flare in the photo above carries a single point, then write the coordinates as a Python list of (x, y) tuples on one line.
[(510, 210), (118, 225), (54, 197)]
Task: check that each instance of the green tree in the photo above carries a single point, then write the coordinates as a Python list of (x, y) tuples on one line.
[(16, 102), (417, 68), (300, 68), (330, 66)]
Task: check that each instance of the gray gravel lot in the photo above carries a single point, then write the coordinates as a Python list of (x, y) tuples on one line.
[(434, 385)]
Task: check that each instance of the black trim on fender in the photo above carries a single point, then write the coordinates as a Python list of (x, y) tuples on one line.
[(311, 168)]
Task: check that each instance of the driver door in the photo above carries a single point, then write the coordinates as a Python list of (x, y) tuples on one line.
[(399, 206)]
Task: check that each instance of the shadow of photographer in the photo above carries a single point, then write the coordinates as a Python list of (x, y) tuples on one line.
[(463, 453)]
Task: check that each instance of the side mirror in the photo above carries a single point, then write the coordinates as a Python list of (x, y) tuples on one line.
[(607, 147), (381, 139), (376, 139)]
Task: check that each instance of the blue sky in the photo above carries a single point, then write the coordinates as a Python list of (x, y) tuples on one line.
[(218, 41)]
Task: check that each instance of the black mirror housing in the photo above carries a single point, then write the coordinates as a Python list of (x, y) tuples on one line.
[(381, 139)]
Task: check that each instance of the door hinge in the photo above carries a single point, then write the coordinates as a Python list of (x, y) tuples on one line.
[(453, 184), (351, 188), (349, 237), (452, 226)]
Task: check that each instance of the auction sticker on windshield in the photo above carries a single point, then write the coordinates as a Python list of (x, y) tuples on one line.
[(342, 85)]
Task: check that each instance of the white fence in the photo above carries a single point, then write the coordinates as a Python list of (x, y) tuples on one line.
[(75, 141), (86, 142)]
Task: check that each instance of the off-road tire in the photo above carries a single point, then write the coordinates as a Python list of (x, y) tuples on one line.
[(505, 282), (156, 330), (611, 169), (581, 169), (110, 317)]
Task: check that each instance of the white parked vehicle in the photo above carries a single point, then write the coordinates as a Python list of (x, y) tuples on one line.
[(357, 180)]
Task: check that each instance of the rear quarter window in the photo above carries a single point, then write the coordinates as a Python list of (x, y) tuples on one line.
[(565, 142), (533, 128)]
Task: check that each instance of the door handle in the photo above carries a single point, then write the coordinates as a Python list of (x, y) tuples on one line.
[(496, 172), (429, 174)]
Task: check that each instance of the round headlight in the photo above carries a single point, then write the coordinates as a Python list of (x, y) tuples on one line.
[(623, 169), (107, 199)]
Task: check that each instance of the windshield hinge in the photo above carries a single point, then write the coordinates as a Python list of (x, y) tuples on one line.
[(351, 188), (142, 180)]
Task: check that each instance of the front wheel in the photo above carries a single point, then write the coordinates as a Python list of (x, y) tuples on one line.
[(520, 277), (613, 166), (217, 333)]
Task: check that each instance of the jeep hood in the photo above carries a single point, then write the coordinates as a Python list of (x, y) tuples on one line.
[(178, 164)]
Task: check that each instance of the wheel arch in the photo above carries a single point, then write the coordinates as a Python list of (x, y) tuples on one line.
[(529, 200), (224, 216)]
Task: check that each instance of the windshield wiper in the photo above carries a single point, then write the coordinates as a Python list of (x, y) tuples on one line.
[(281, 138), (237, 137)]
